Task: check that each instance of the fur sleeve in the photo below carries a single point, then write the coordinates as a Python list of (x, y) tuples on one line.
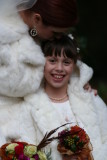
[(21, 59), (101, 109)]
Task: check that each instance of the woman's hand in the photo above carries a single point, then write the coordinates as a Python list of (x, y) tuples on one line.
[(89, 89)]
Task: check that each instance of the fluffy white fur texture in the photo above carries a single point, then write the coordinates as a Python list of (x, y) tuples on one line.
[(21, 72), (90, 110), (16, 121), (21, 59)]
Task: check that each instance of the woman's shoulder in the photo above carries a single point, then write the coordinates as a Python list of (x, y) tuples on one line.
[(11, 28)]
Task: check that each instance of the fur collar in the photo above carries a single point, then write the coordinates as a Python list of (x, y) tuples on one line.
[(43, 113), (43, 110), (12, 28)]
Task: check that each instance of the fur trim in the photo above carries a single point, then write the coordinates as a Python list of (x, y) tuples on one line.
[(81, 76)]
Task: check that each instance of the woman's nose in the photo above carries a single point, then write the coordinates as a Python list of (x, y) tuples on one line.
[(58, 35)]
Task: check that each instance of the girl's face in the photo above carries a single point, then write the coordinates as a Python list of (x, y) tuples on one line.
[(57, 71)]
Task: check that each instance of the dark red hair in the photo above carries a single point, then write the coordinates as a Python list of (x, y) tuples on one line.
[(59, 13)]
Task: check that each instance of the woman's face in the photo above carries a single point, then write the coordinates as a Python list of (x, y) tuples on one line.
[(46, 32), (50, 32), (57, 71)]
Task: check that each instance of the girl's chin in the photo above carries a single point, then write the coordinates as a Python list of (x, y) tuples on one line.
[(57, 85)]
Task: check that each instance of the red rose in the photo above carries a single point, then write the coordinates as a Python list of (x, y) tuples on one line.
[(75, 130), (82, 136), (19, 149)]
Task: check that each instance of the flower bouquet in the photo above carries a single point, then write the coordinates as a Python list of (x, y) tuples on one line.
[(72, 142), (21, 151), (24, 151), (75, 143)]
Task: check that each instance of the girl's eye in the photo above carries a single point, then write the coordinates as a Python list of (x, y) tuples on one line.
[(67, 63), (52, 60)]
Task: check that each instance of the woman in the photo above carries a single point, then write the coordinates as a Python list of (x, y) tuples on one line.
[(21, 58), (62, 98)]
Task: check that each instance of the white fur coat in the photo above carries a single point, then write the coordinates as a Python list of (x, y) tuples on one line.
[(91, 111), (21, 71)]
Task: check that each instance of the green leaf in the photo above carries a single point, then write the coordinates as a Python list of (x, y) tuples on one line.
[(73, 148)]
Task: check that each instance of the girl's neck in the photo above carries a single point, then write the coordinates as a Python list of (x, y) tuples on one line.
[(56, 94)]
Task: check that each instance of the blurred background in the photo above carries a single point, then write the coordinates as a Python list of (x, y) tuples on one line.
[(92, 37)]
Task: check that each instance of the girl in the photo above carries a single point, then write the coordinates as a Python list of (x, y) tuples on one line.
[(62, 97)]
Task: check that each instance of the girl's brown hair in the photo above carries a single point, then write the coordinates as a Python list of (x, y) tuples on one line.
[(65, 44)]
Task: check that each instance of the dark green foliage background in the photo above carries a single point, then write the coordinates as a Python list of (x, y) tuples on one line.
[(92, 33)]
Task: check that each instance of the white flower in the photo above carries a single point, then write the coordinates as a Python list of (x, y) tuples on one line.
[(70, 36), (10, 148)]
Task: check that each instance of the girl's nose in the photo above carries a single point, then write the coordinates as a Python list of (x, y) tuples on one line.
[(59, 66)]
